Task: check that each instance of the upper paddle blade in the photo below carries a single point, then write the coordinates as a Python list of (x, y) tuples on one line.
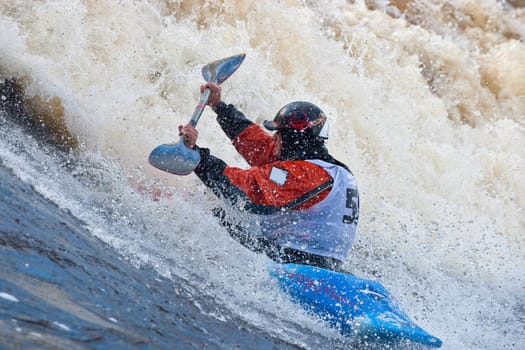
[(217, 72)]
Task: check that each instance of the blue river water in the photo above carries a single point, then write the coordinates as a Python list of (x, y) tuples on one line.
[(61, 288)]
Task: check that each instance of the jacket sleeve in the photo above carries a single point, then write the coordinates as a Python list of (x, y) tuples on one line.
[(211, 172), (252, 142), (231, 120)]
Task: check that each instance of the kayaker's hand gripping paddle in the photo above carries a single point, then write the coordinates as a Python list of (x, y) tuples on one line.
[(176, 158)]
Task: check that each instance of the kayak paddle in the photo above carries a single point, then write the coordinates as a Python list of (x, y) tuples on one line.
[(176, 158)]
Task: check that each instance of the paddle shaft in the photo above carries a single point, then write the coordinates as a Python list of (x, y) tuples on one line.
[(200, 107)]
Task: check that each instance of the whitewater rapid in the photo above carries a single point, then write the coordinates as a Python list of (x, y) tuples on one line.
[(426, 103)]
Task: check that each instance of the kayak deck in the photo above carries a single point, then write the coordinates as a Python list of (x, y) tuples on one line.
[(354, 306)]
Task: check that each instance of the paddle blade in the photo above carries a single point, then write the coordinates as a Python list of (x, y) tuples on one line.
[(174, 158), (217, 72)]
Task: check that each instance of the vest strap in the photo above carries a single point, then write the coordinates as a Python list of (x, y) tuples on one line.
[(309, 195)]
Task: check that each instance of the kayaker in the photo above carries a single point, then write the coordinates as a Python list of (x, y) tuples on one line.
[(296, 202)]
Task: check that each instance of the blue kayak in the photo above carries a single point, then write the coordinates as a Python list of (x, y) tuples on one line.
[(356, 307)]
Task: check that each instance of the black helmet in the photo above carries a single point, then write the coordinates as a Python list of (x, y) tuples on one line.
[(300, 118), (303, 128)]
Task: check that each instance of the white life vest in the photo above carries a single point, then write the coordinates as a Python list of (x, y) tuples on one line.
[(327, 228)]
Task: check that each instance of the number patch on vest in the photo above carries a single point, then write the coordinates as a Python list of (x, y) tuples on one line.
[(352, 202)]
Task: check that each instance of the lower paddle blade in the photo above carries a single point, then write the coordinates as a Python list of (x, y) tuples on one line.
[(174, 158)]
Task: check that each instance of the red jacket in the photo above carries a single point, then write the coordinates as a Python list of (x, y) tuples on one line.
[(255, 183), (256, 147)]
